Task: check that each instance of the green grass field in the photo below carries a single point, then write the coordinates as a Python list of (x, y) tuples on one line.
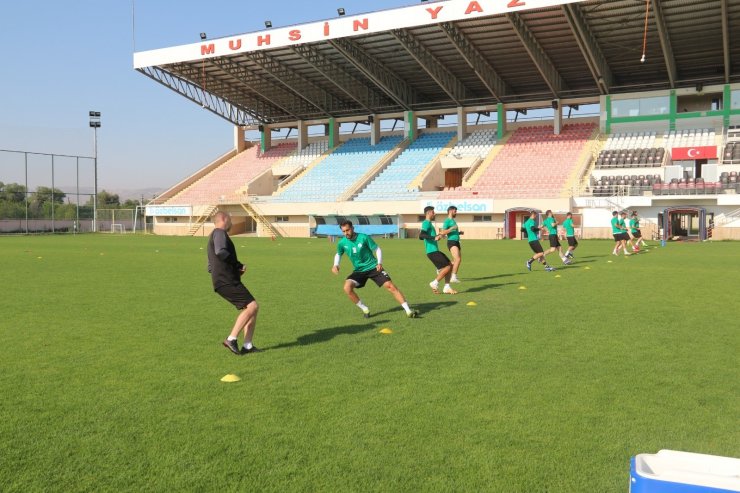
[(112, 359)]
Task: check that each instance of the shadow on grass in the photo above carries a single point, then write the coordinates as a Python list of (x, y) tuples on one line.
[(465, 279), (324, 335), (423, 308), (329, 333), (486, 287)]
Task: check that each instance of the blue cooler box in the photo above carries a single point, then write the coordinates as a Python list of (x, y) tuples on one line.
[(670, 471)]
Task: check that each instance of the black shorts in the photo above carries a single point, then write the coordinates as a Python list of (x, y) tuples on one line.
[(236, 294), (536, 247), (572, 241), (617, 237), (439, 259), (554, 242), (453, 243), (637, 234), (626, 236), (360, 278)]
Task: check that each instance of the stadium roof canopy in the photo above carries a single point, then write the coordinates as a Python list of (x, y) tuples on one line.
[(450, 53)]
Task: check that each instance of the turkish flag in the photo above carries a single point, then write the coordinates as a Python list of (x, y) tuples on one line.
[(693, 153)]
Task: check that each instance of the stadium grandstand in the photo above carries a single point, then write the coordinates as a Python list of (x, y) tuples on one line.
[(497, 107)]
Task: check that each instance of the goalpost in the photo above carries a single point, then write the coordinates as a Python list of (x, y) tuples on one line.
[(116, 220)]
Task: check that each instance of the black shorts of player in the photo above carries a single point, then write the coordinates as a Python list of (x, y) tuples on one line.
[(572, 241), (536, 246), (236, 294), (453, 243), (439, 259), (617, 237), (360, 278), (625, 237), (554, 242), (637, 234)]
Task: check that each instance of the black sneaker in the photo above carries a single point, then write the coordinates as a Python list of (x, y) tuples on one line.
[(250, 351), (232, 346)]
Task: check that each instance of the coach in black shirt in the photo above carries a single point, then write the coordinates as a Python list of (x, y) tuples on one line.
[(226, 272)]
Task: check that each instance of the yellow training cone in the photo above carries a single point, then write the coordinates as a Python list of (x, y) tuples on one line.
[(386, 331), (587, 268), (558, 275), (472, 303), (608, 261), (41, 257), (230, 378), (522, 287)]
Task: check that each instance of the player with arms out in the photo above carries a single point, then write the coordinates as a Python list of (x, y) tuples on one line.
[(367, 260), (450, 229), (441, 262), (533, 232)]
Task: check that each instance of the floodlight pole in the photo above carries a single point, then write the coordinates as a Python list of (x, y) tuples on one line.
[(95, 124)]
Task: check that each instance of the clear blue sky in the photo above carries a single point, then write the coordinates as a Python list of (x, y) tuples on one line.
[(64, 58)]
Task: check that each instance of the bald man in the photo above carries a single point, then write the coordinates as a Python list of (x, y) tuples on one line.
[(226, 272)]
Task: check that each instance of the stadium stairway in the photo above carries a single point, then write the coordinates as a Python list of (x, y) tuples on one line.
[(534, 163), (395, 181), (470, 180), (221, 183), (330, 178)]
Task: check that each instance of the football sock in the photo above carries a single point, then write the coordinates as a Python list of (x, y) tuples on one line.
[(405, 306), (361, 306), (231, 338), (434, 284), (248, 346), (447, 286)]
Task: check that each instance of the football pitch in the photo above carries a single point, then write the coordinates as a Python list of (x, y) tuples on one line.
[(112, 359)]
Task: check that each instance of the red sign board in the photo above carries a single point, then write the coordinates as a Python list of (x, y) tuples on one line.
[(693, 153)]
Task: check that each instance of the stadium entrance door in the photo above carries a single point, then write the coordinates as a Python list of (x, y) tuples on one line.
[(685, 223), (513, 220)]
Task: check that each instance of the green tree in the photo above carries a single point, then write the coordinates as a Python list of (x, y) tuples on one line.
[(44, 195), (130, 204), (12, 192), (106, 199)]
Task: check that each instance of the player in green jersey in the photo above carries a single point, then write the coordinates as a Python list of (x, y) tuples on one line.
[(367, 260), (551, 224), (637, 239), (619, 231), (533, 237), (570, 235), (450, 229), (441, 262)]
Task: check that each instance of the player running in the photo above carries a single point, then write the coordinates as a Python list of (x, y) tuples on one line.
[(570, 235), (533, 232), (450, 229), (619, 231), (367, 260), (551, 224), (441, 262), (637, 239)]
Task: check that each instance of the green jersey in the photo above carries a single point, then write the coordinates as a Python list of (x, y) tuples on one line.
[(428, 228), (453, 235), (622, 226), (550, 224), (529, 224), (615, 226), (634, 224), (569, 229), (360, 250)]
